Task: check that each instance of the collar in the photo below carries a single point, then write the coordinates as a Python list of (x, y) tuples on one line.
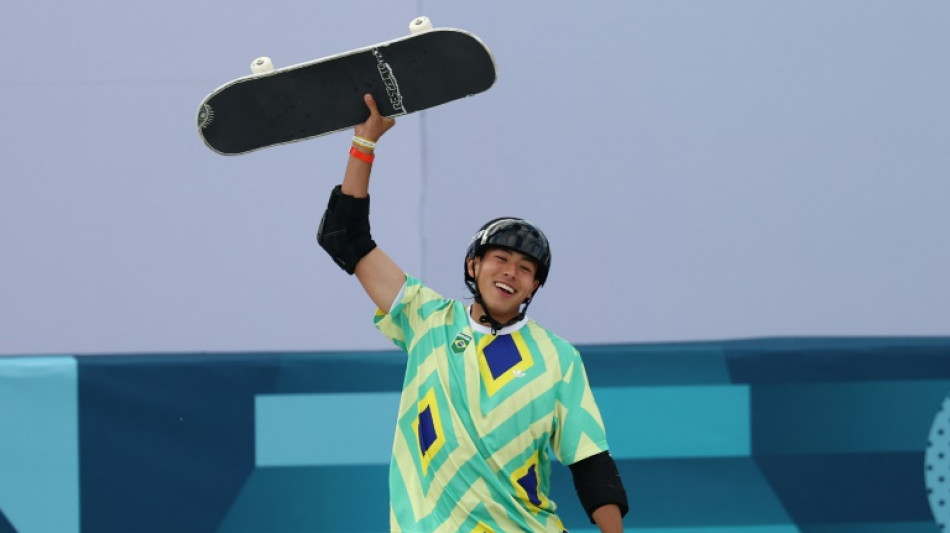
[(485, 330)]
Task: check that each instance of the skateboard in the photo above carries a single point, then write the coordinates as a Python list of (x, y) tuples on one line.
[(429, 67)]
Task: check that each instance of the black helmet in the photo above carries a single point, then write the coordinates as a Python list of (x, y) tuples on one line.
[(514, 234)]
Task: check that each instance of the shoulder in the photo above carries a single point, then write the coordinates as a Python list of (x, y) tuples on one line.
[(551, 345), (420, 301), (418, 311), (538, 331)]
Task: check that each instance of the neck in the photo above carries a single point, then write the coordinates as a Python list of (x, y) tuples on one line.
[(478, 311), (513, 325)]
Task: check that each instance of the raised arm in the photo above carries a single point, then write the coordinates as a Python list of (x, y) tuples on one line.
[(344, 230)]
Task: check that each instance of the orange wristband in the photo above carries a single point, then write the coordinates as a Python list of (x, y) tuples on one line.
[(362, 156)]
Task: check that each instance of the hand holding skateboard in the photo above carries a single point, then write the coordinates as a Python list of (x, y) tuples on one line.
[(376, 125)]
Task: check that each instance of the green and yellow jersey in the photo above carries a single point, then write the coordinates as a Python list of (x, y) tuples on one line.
[(480, 414)]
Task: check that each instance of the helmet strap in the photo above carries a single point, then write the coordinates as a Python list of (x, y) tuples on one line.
[(489, 320)]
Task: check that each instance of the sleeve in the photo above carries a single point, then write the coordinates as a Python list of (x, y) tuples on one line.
[(391, 324), (578, 427), (407, 318), (597, 482)]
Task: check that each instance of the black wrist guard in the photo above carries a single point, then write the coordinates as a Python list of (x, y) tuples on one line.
[(344, 229), (597, 482)]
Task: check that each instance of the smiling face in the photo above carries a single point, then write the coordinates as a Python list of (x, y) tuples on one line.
[(506, 279)]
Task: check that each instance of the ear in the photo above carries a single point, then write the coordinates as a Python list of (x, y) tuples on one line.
[(536, 285), (471, 264)]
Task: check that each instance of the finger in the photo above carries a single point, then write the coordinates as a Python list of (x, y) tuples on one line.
[(371, 104)]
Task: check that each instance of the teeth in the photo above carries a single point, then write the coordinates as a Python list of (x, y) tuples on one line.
[(507, 288)]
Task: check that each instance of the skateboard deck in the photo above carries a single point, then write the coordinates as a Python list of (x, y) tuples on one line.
[(298, 102)]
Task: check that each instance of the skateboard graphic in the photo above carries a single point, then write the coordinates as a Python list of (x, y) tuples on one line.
[(425, 69)]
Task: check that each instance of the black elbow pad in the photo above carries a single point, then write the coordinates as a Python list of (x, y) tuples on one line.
[(597, 482), (344, 229)]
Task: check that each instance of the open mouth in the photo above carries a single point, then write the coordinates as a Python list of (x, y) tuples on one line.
[(504, 287)]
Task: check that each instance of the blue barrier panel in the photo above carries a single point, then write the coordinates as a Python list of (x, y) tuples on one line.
[(677, 421), (39, 445), (752, 436), (324, 429)]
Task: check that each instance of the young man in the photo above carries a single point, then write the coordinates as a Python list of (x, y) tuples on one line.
[(487, 391)]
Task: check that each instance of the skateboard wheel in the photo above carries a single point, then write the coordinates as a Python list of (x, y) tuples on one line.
[(262, 65), (419, 25)]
